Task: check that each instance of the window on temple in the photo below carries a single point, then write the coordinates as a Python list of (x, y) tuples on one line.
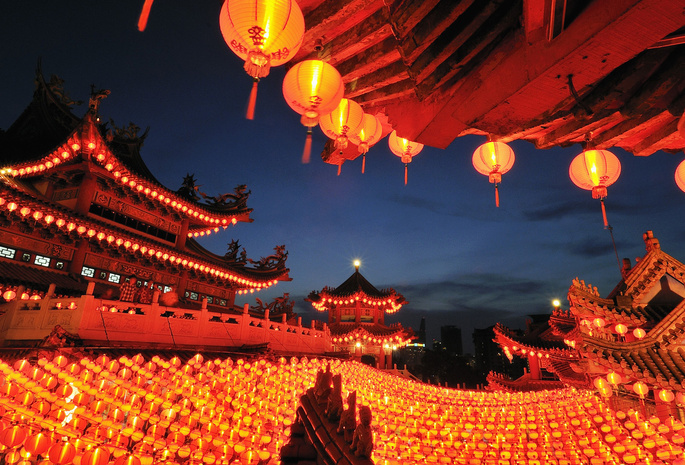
[(367, 316), (561, 15), (6, 252), (59, 265), (114, 278), (223, 302), (26, 257), (192, 295), (210, 299), (87, 271), (41, 261), (347, 314)]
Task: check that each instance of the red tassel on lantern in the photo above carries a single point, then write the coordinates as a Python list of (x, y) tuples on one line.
[(405, 173), (144, 15), (306, 155), (497, 195), (363, 163), (253, 100)]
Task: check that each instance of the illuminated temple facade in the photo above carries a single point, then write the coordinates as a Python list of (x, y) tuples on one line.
[(630, 343), (81, 214), (356, 318)]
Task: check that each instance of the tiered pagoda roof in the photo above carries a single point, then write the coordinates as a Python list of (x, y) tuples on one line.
[(48, 142), (637, 332)]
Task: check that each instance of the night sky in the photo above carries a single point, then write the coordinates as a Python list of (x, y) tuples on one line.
[(439, 241)]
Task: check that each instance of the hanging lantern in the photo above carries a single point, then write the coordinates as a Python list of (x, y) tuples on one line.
[(639, 333), (595, 170), (405, 149), (666, 395), (680, 176), (614, 378), (621, 329), (264, 33), (640, 389), (367, 135), (493, 159), (345, 119), (312, 88)]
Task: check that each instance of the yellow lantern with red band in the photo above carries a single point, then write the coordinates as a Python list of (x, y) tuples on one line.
[(405, 149), (264, 33), (595, 170), (368, 133), (343, 120), (493, 159), (312, 88)]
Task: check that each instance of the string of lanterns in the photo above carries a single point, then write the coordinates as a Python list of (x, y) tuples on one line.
[(267, 33)]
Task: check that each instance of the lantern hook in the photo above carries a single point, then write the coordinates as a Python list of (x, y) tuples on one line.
[(576, 97)]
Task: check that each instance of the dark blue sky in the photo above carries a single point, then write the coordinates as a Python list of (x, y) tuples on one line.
[(439, 241)]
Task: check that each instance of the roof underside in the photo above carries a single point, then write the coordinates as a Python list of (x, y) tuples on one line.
[(435, 70)]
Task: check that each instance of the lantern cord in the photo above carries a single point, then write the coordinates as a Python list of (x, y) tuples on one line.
[(611, 233), (253, 100), (363, 162), (497, 195), (173, 339), (307, 153), (405, 174), (576, 97), (144, 15)]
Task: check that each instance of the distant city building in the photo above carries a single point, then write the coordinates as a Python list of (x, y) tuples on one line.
[(450, 337)]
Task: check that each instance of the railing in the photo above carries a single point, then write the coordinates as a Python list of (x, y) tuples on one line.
[(117, 323)]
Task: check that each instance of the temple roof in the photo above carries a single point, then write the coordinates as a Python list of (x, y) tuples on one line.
[(40, 141), (440, 69), (356, 288)]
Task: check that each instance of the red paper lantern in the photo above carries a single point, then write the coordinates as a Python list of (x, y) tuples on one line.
[(405, 149), (493, 159), (640, 389), (97, 456), (264, 33), (367, 135), (37, 444), (62, 453), (595, 170), (312, 88), (13, 436)]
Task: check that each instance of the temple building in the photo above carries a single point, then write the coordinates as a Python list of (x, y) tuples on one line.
[(356, 318), (629, 343), (91, 242)]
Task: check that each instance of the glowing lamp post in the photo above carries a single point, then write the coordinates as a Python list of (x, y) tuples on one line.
[(312, 88), (367, 135), (405, 149), (264, 33), (493, 159), (595, 170)]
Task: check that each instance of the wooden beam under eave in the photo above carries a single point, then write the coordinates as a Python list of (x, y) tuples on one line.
[(658, 140), (620, 135), (406, 14), (468, 57), (355, 40), (397, 92), (331, 19), (370, 60), (431, 26), (574, 129), (466, 26), (395, 72)]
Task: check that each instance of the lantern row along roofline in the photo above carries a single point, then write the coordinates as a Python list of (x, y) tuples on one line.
[(327, 302), (86, 140), (583, 305), (394, 340), (510, 344), (46, 216)]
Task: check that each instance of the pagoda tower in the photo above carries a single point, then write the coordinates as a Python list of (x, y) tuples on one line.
[(356, 318)]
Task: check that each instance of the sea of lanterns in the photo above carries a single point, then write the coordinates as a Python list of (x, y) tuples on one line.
[(132, 410)]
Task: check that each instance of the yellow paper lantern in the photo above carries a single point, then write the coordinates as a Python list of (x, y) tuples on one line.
[(312, 88), (368, 133), (595, 170), (405, 149), (680, 172), (493, 159), (264, 33), (343, 120)]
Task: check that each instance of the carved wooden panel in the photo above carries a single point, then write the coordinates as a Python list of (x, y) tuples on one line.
[(65, 194), (114, 204), (123, 268), (48, 249), (203, 289)]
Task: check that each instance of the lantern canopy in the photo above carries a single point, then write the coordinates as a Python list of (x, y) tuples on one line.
[(367, 135), (405, 149), (264, 33), (345, 119), (680, 176), (595, 170), (312, 88), (493, 159)]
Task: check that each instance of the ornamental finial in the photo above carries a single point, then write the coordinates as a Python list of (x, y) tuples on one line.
[(356, 265)]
